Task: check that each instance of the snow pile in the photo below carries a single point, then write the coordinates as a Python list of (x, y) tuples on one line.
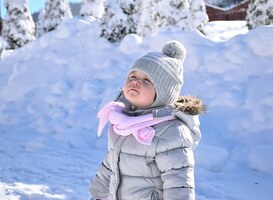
[(52, 88), (260, 158)]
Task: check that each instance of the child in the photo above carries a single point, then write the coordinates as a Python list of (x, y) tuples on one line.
[(152, 135)]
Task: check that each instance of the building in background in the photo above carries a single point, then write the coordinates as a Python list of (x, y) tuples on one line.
[(237, 12)]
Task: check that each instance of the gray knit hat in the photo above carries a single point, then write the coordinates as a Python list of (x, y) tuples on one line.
[(165, 71)]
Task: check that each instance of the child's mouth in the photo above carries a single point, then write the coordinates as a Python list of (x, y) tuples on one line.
[(133, 90)]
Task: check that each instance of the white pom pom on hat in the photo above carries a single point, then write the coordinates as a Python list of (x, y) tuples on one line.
[(165, 69)]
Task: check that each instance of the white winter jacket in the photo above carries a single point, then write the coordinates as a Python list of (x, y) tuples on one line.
[(162, 170)]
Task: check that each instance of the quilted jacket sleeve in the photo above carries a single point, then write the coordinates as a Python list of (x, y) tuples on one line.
[(99, 188), (175, 160)]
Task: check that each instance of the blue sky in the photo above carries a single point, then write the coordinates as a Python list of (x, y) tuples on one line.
[(34, 6)]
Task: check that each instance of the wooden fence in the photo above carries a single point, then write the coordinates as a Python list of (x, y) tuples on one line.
[(237, 12)]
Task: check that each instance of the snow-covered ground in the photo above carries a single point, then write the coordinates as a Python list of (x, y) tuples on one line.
[(52, 88)]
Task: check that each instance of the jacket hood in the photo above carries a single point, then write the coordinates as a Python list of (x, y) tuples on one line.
[(185, 109)]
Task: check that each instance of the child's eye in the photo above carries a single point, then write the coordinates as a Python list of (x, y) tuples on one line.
[(147, 80), (132, 77)]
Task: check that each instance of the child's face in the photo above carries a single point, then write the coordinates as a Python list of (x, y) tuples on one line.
[(139, 90)]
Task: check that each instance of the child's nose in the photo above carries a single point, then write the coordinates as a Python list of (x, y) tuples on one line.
[(135, 82)]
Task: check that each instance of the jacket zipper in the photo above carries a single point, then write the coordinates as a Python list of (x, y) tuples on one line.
[(119, 145)]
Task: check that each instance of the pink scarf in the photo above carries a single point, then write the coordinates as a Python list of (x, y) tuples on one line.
[(139, 126)]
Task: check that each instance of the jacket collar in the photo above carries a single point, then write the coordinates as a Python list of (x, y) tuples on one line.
[(188, 105)]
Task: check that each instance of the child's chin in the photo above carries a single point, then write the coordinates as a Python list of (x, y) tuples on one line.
[(132, 91)]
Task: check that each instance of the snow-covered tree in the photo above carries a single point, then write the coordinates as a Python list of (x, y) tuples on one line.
[(40, 23), (147, 17), (147, 24), (18, 26), (132, 8), (173, 14), (94, 8), (199, 17), (259, 13), (113, 23), (120, 18), (56, 11), (2, 46)]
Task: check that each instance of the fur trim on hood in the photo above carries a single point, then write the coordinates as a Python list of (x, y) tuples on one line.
[(190, 105)]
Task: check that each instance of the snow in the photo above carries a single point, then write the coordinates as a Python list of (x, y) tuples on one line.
[(260, 158), (95, 8), (226, 30), (52, 88)]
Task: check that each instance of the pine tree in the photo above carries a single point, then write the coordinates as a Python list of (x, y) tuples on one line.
[(18, 26), (112, 22), (173, 14), (56, 11), (93, 8), (120, 18), (147, 24), (132, 9), (199, 17), (259, 13)]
